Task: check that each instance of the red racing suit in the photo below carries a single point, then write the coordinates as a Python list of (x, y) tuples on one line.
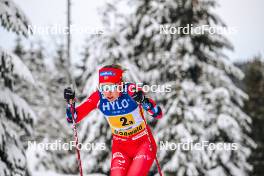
[(133, 146)]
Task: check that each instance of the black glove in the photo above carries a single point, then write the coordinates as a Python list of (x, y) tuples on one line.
[(142, 99), (69, 94), (138, 96)]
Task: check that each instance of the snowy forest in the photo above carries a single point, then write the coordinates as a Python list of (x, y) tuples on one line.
[(211, 98)]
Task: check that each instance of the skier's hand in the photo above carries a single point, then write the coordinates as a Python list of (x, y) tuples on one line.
[(138, 96), (69, 95), (154, 110)]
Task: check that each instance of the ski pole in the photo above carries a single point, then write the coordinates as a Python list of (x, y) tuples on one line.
[(151, 144), (76, 140)]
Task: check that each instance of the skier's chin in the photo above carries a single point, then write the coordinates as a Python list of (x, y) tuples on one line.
[(111, 99)]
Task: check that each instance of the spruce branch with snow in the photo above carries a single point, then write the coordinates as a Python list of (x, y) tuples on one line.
[(17, 117)]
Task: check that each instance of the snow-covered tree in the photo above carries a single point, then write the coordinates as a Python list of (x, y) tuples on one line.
[(253, 84), (12, 18), (59, 161), (17, 116), (203, 104), (46, 98)]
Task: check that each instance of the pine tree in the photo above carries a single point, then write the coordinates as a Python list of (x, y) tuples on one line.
[(17, 116), (51, 125), (37, 95), (253, 85), (47, 100)]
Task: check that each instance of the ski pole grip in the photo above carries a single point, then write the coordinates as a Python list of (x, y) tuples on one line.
[(69, 95)]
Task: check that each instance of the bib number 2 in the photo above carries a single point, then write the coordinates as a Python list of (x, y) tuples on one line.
[(125, 122), (121, 121)]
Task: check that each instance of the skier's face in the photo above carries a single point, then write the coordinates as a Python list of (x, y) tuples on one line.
[(110, 91)]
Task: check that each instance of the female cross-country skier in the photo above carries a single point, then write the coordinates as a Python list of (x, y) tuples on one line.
[(133, 146)]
